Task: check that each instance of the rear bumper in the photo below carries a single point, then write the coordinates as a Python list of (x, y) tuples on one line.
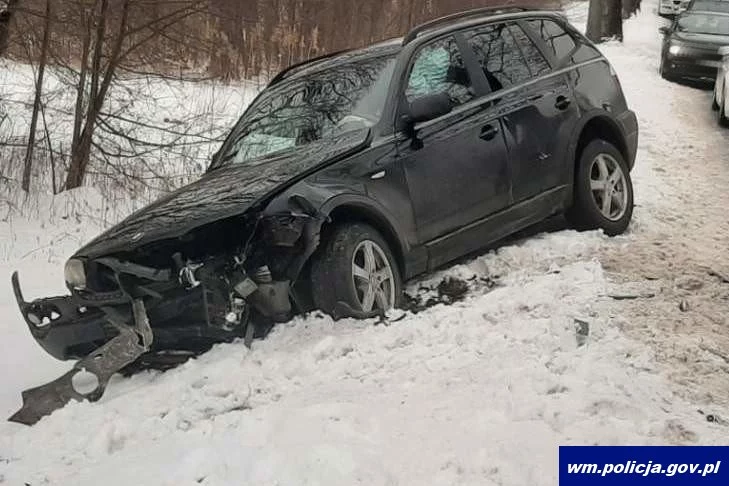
[(629, 124)]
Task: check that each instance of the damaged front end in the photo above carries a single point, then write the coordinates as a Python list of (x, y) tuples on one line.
[(158, 305)]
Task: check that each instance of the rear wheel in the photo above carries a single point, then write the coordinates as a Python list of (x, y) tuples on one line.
[(355, 267), (603, 192)]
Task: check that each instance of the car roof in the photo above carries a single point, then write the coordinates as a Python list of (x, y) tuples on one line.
[(707, 12), (383, 48), (426, 30), (477, 16)]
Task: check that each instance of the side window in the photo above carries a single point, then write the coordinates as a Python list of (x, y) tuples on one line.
[(537, 64), (499, 56), (561, 43), (439, 68)]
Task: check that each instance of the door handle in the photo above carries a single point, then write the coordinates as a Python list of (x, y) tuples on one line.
[(562, 102), (488, 132)]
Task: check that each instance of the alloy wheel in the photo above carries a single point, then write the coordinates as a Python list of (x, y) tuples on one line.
[(374, 281), (608, 186)]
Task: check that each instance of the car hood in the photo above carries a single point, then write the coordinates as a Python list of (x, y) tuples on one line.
[(221, 193), (702, 40)]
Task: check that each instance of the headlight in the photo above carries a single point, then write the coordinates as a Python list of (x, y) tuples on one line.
[(675, 50), (75, 274)]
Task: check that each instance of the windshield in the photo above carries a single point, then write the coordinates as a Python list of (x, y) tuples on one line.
[(711, 5), (704, 24), (306, 109)]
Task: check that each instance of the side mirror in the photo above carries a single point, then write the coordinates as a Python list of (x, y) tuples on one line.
[(664, 30), (724, 51), (429, 107)]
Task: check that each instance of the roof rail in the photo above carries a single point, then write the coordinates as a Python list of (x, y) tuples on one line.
[(467, 14), (300, 65)]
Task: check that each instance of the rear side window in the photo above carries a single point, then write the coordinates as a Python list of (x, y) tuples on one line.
[(499, 56), (537, 64), (439, 68), (561, 43)]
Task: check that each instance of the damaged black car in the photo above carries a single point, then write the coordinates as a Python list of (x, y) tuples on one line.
[(346, 176)]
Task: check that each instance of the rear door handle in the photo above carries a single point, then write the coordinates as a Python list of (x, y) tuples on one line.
[(489, 132), (562, 102)]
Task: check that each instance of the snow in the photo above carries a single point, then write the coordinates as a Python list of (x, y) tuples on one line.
[(479, 392)]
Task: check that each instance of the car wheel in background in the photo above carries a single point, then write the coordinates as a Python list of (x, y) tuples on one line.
[(356, 267), (722, 117), (662, 69), (603, 192)]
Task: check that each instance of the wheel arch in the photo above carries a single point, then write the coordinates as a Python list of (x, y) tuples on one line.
[(597, 126), (357, 210)]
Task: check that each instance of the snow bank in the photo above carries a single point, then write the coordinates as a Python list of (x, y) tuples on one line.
[(480, 392)]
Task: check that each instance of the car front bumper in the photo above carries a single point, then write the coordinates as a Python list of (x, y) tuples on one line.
[(703, 70), (66, 327)]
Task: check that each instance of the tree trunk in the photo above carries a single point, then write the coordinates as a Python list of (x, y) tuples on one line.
[(25, 184), (605, 20), (5, 18), (81, 152), (630, 7)]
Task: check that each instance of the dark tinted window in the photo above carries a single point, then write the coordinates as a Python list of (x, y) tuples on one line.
[(561, 43), (537, 64), (499, 56), (439, 68)]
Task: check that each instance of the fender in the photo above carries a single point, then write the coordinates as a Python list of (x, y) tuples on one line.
[(413, 258), (587, 117)]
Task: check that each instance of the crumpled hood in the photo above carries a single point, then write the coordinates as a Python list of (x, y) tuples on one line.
[(707, 41), (219, 194)]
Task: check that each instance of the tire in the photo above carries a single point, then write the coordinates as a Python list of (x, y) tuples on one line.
[(721, 115), (664, 74), (333, 278), (597, 167), (662, 70)]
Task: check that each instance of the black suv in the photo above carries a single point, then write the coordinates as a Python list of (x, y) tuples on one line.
[(347, 175)]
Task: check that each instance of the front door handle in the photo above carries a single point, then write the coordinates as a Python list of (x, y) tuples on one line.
[(489, 132), (562, 103)]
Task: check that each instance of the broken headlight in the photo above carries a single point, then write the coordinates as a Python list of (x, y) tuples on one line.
[(75, 274)]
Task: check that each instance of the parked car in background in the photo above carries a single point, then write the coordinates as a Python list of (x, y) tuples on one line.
[(721, 89), (721, 6), (346, 176), (691, 46), (672, 7)]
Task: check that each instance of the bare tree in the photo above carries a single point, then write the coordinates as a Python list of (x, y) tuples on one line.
[(109, 50), (605, 20), (6, 16), (38, 99)]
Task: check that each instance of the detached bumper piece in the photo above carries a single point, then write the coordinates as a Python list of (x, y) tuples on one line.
[(131, 342)]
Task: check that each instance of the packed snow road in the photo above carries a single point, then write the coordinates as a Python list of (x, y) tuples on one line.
[(583, 339)]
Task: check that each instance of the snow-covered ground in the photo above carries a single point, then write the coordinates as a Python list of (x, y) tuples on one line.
[(480, 392)]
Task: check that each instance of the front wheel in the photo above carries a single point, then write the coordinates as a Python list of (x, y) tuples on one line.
[(603, 192), (355, 267)]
